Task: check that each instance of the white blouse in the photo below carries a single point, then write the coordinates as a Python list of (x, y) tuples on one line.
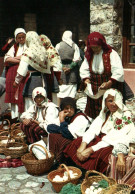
[(113, 135), (11, 51), (51, 116), (98, 67), (78, 127)]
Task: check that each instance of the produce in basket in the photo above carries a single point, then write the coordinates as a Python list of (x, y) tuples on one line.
[(60, 172), (93, 176)]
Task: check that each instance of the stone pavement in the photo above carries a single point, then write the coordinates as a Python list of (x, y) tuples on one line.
[(18, 181)]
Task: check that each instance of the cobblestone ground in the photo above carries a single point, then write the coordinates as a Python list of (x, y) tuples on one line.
[(18, 181)]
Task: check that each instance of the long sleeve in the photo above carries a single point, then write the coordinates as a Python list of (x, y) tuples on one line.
[(51, 116), (116, 67), (93, 131), (78, 127), (29, 114), (76, 54), (84, 69)]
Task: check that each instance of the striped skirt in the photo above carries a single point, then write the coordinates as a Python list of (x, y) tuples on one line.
[(57, 143), (33, 132), (97, 161)]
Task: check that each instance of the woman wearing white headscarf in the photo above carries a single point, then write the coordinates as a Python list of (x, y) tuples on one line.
[(113, 127), (70, 55), (33, 65), (12, 59), (38, 116)]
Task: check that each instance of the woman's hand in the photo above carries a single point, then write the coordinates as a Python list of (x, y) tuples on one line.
[(26, 121), (84, 155), (62, 116), (87, 81), (15, 85), (106, 85), (121, 164), (35, 121)]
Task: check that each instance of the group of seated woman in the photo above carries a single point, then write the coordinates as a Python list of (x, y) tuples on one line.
[(71, 135)]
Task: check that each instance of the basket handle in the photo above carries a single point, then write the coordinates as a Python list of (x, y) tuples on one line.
[(7, 122), (66, 168), (15, 125), (41, 147), (95, 172)]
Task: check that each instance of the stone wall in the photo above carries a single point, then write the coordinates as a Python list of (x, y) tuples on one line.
[(106, 18)]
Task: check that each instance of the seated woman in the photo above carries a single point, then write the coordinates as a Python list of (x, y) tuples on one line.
[(73, 124), (112, 127), (38, 116)]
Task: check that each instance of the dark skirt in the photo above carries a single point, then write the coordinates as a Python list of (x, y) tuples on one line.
[(57, 143), (97, 161), (33, 132)]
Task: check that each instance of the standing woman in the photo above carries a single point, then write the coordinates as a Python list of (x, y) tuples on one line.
[(56, 68), (70, 55), (102, 67), (33, 65), (12, 60)]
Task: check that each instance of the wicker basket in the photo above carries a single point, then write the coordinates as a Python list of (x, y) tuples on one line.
[(35, 166), (5, 126), (15, 149), (16, 133), (95, 177), (60, 171), (118, 189)]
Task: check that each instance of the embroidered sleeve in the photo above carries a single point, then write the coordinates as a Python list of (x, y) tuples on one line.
[(120, 148)]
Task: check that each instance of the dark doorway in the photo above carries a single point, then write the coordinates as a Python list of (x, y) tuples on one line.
[(50, 17)]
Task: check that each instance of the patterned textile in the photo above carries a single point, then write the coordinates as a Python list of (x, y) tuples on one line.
[(4, 163), (33, 132), (35, 55), (97, 161), (112, 172), (57, 143)]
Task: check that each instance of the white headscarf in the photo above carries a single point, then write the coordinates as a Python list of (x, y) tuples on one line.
[(19, 30), (118, 98), (39, 90), (35, 55), (67, 37)]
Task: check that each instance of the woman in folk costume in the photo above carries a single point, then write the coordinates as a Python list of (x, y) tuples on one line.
[(33, 65), (70, 55), (56, 68), (12, 60), (102, 68), (38, 116), (111, 129), (72, 124)]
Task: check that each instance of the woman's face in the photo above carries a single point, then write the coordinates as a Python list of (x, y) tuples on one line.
[(20, 38), (70, 110), (110, 104), (96, 49), (38, 99)]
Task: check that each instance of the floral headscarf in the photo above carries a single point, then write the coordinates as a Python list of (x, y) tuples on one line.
[(67, 37), (52, 54), (96, 39), (35, 55)]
